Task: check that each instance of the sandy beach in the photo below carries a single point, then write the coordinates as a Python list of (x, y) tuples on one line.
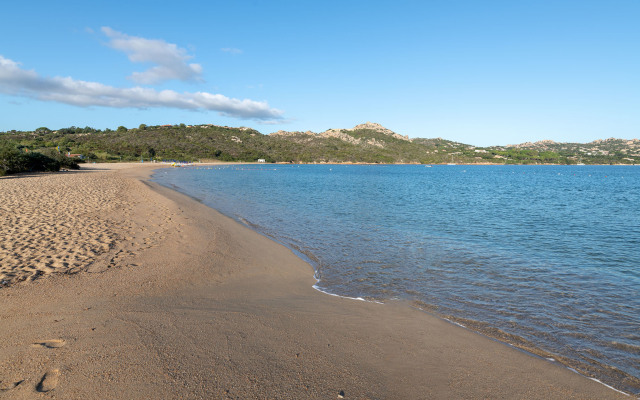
[(113, 287)]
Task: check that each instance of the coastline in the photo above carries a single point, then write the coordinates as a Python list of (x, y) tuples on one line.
[(188, 303)]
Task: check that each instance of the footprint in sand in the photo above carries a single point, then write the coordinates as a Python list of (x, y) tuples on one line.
[(49, 381), (4, 386), (51, 344)]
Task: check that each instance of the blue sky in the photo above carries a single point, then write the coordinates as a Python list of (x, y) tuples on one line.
[(478, 72)]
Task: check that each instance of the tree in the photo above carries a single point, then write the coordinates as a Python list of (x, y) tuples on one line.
[(11, 160), (122, 129), (142, 127), (89, 129)]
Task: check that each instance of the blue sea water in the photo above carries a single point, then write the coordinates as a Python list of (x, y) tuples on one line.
[(550, 254)]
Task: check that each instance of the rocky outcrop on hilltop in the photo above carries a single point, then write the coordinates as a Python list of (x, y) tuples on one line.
[(379, 128), (339, 134), (541, 144), (630, 142), (344, 134)]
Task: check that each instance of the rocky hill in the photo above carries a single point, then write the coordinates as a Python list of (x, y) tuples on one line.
[(364, 143), (346, 134), (602, 151)]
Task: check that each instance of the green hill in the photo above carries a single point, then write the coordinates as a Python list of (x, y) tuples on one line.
[(365, 143)]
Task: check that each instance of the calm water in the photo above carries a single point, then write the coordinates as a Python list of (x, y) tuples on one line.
[(550, 254)]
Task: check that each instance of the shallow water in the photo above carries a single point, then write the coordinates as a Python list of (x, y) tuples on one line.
[(550, 254)]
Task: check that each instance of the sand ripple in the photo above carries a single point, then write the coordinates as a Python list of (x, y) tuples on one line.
[(60, 223)]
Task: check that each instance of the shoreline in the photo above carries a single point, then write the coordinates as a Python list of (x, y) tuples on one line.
[(607, 374), (202, 306)]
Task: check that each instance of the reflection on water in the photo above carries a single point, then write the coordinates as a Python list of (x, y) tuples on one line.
[(547, 253)]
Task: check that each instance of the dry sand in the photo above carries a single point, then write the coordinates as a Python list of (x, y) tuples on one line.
[(145, 293)]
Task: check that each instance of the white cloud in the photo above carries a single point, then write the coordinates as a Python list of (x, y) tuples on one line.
[(231, 50), (27, 83), (171, 60)]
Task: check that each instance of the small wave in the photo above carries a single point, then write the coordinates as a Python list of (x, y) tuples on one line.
[(316, 287), (609, 386), (455, 323)]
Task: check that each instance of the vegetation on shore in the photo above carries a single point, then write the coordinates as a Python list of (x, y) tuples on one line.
[(14, 160), (366, 143)]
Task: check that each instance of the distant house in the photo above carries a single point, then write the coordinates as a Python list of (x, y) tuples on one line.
[(261, 160)]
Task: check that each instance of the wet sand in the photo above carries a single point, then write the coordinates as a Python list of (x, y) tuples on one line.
[(120, 288)]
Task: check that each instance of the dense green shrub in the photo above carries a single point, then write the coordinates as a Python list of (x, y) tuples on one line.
[(40, 162), (13, 161), (65, 162)]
